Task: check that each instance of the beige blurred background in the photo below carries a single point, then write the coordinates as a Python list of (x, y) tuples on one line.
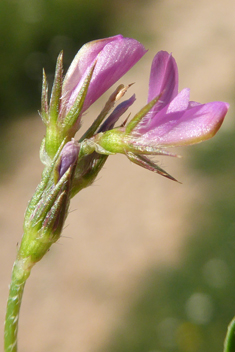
[(130, 220)]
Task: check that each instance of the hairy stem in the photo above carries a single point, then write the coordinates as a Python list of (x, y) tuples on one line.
[(20, 273)]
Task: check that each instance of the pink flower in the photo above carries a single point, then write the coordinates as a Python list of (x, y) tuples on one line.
[(174, 120), (169, 119), (112, 57)]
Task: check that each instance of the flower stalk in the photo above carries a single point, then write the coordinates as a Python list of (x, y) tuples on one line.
[(44, 220), (18, 281)]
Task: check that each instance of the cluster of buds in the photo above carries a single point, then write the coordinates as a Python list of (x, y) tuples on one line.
[(168, 119)]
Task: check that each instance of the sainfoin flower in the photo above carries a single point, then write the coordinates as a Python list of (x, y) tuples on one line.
[(175, 120), (169, 119), (111, 57), (95, 68)]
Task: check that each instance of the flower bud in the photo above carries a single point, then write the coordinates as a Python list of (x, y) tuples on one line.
[(68, 156), (47, 210)]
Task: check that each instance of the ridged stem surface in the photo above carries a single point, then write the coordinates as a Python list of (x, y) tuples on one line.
[(20, 273)]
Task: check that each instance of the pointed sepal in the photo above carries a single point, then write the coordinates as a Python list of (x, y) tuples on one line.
[(44, 99), (86, 171), (56, 90), (71, 121), (114, 97), (111, 120), (148, 164), (46, 183)]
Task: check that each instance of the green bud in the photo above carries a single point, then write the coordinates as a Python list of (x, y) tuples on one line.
[(47, 211)]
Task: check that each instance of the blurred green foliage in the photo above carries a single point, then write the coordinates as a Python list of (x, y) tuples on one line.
[(32, 34), (188, 308)]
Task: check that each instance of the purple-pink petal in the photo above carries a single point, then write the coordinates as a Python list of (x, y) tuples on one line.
[(82, 61), (114, 56), (153, 119), (180, 128), (180, 102), (163, 79)]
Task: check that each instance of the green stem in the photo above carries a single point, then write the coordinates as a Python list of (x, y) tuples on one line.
[(20, 273), (229, 343)]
